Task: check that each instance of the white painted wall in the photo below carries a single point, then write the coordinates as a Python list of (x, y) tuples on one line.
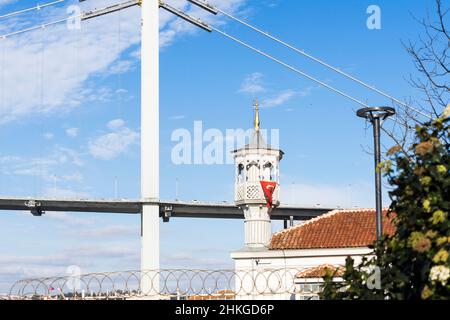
[(270, 274)]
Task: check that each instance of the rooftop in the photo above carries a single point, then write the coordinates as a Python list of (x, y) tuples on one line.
[(336, 229), (320, 271)]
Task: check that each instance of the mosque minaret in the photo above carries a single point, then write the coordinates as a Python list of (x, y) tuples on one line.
[(257, 185)]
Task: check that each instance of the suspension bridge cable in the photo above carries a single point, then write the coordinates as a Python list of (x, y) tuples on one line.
[(41, 79), (323, 63), (209, 28), (83, 16), (42, 26), (295, 70), (290, 67), (3, 72), (37, 7)]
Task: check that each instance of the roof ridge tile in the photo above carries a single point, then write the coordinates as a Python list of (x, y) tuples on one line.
[(334, 229), (324, 216)]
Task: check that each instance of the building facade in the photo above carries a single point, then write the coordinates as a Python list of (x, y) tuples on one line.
[(284, 264)]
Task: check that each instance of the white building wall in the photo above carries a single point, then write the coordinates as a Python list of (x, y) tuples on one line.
[(271, 274)]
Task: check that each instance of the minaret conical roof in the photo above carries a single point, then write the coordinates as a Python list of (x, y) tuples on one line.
[(257, 140)]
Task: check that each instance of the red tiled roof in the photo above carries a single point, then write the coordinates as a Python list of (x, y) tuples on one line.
[(320, 271), (336, 229)]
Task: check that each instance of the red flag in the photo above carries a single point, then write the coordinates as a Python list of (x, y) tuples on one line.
[(268, 189)]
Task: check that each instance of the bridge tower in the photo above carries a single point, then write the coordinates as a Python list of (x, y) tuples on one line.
[(150, 146)]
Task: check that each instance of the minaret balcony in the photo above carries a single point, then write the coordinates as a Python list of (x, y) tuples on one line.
[(252, 193)]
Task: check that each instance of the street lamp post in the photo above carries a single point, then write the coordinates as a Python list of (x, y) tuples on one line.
[(375, 115)]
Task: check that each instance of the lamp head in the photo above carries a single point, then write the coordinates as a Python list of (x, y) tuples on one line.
[(372, 113)]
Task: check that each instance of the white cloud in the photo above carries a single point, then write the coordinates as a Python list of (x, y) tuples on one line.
[(113, 144), (69, 58), (9, 159), (70, 219), (136, 54), (253, 83), (121, 66), (13, 268), (42, 167), (111, 231), (279, 99), (192, 260), (116, 124), (69, 256), (63, 193), (74, 157), (172, 28), (346, 196), (121, 90), (48, 136), (5, 2), (93, 94), (305, 92), (72, 132), (76, 177)]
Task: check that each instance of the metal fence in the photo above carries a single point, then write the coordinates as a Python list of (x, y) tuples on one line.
[(174, 284)]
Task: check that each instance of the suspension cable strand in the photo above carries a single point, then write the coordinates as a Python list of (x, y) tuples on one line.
[(323, 84), (302, 52), (3, 73), (293, 69), (42, 105), (290, 67), (37, 7), (82, 16), (42, 26), (119, 75)]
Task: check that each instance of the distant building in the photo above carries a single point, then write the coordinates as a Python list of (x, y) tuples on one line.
[(308, 283)]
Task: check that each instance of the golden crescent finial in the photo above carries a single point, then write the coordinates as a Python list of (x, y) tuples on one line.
[(256, 121)]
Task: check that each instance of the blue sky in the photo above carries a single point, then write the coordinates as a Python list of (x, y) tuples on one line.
[(70, 108)]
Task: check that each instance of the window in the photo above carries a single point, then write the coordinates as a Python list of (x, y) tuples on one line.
[(269, 172), (240, 173), (253, 172), (309, 291)]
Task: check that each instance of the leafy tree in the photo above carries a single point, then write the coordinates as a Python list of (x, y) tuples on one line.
[(429, 54), (413, 263)]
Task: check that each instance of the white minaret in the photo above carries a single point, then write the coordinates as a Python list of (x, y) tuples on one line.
[(256, 162)]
